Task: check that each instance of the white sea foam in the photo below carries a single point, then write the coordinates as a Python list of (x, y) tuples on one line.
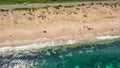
[(35, 45), (48, 43), (107, 37), (71, 41)]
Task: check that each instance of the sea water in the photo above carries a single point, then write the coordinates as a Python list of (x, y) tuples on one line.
[(100, 54)]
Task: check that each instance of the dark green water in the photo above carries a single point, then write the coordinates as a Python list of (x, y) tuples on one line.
[(105, 54)]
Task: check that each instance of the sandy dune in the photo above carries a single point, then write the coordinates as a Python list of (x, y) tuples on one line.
[(79, 22)]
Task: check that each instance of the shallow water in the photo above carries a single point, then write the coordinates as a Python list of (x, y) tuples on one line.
[(102, 55)]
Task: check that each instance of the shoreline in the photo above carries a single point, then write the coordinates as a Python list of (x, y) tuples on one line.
[(52, 43), (31, 50)]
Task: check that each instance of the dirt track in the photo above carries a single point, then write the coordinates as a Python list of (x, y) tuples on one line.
[(53, 4)]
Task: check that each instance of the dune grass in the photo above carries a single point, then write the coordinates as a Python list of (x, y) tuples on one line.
[(40, 1)]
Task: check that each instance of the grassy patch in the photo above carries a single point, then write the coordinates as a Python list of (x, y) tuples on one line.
[(3, 10), (27, 9), (57, 7)]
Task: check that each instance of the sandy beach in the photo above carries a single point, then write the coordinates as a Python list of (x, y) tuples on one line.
[(23, 27)]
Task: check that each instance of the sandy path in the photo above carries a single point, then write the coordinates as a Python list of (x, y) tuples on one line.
[(75, 23)]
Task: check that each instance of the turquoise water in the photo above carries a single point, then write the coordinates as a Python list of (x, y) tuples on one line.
[(105, 54)]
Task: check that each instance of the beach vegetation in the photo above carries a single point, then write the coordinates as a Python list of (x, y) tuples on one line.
[(30, 18), (89, 28), (88, 6), (75, 13), (92, 4), (68, 6), (44, 31), (45, 7), (21, 9), (4, 10), (15, 22), (60, 5), (100, 3), (83, 4), (30, 13), (24, 14), (77, 8), (49, 12), (56, 7), (85, 15), (79, 5), (27, 9), (42, 16)]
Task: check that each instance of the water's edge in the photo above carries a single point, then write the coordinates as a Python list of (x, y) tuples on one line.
[(29, 50), (95, 54)]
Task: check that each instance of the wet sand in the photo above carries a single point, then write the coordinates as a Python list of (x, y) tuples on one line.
[(80, 23)]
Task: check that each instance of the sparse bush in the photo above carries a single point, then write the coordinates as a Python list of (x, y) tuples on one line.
[(89, 28), (103, 5), (56, 7), (11, 11), (3, 10), (63, 29), (56, 13), (21, 9), (38, 16), (15, 22), (44, 31), (4, 15), (77, 8), (10, 35), (88, 7), (1, 18), (100, 3), (112, 29), (83, 4), (42, 16), (68, 6), (33, 9), (115, 5), (30, 13), (75, 13), (79, 5), (46, 7), (30, 18), (49, 12), (85, 15), (43, 11), (106, 4), (24, 14), (92, 4), (60, 5)]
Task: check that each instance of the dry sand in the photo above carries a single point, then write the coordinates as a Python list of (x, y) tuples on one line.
[(23, 27)]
